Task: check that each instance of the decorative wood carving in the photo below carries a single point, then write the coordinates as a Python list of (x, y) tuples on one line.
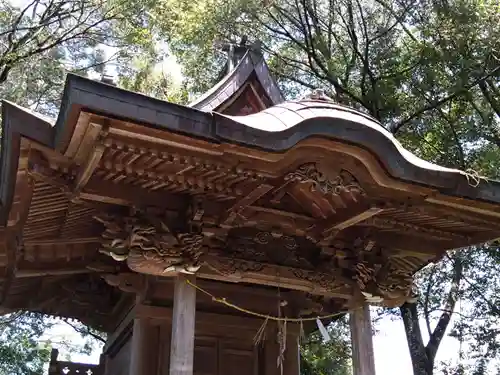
[(127, 282), (234, 267), (380, 282), (344, 182), (148, 244), (272, 247)]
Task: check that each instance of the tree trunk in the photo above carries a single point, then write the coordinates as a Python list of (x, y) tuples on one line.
[(423, 356), (420, 362)]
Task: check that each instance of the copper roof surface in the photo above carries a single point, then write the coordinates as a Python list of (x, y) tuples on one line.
[(252, 62)]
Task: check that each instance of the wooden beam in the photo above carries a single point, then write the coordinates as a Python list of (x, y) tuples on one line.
[(411, 244), (362, 343), (51, 272), (354, 219), (60, 268), (227, 321), (88, 168), (329, 227), (229, 216), (183, 325), (99, 190), (286, 279), (62, 241), (122, 329)]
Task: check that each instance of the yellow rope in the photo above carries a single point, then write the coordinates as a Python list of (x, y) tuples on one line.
[(264, 316), (473, 177)]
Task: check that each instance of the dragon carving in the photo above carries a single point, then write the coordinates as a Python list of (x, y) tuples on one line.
[(309, 173), (379, 286), (148, 245)]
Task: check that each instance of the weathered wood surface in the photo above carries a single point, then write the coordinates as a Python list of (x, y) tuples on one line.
[(139, 361), (362, 342), (341, 213), (183, 327)]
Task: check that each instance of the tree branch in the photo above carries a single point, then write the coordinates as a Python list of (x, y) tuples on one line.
[(444, 320), (442, 101), (85, 331)]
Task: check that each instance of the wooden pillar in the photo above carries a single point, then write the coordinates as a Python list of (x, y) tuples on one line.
[(292, 356), (362, 343), (142, 349), (53, 365), (103, 364), (183, 322)]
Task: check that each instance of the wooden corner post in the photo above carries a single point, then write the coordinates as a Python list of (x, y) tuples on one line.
[(142, 349), (183, 326), (363, 362)]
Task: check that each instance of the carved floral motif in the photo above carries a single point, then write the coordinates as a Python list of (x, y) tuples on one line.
[(309, 173), (327, 281), (272, 247), (234, 267)]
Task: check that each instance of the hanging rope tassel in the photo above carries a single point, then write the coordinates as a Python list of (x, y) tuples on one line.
[(473, 177), (302, 334), (281, 333), (260, 336), (282, 345)]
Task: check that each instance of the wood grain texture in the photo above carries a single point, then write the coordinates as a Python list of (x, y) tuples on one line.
[(183, 324), (362, 342), (144, 347)]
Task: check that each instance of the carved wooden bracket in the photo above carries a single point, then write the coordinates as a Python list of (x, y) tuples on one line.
[(127, 282), (152, 244), (148, 245), (309, 173)]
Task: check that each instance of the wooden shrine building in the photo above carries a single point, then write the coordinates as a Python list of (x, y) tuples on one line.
[(189, 232)]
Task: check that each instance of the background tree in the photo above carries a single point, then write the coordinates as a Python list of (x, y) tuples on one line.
[(333, 358), (26, 340), (40, 41), (20, 350)]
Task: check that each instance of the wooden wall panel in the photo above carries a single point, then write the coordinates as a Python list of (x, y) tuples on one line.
[(237, 358), (164, 349), (119, 362), (205, 356), (223, 345)]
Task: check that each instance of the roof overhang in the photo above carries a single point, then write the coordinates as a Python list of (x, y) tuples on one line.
[(275, 130), (105, 147)]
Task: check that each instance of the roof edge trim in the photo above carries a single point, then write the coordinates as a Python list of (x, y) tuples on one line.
[(356, 129), (233, 81)]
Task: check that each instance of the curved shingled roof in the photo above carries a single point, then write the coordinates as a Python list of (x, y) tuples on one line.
[(276, 129), (225, 89)]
